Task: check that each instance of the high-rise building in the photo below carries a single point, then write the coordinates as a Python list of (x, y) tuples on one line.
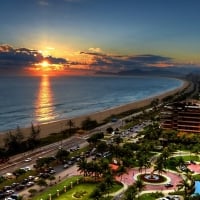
[(182, 116)]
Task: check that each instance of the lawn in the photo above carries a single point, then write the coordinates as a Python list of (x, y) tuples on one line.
[(82, 191), (44, 195), (150, 196), (172, 162)]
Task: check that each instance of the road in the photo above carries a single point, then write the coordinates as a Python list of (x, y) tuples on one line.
[(17, 161)]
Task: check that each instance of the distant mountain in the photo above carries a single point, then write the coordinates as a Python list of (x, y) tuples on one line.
[(155, 71), (149, 71)]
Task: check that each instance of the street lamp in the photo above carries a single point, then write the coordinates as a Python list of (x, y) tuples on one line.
[(58, 193)]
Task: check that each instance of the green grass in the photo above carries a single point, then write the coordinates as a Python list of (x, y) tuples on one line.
[(117, 186), (44, 195), (150, 196), (188, 158), (172, 162), (196, 177), (86, 187)]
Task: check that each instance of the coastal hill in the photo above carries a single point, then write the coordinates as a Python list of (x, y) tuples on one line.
[(155, 71)]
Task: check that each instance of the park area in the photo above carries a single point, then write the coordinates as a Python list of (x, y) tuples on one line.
[(74, 188)]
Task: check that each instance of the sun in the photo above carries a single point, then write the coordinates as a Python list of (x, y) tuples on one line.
[(45, 65)]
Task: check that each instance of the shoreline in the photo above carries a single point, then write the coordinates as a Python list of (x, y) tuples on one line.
[(100, 116)]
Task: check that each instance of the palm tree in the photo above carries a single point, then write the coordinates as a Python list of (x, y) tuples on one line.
[(51, 178), (62, 154), (120, 171), (139, 184), (96, 194), (109, 181), (184, 183), (159, 165), (83, 167), (71, 124), (104, 165), (131, 192), (42, 183), (141, 163)]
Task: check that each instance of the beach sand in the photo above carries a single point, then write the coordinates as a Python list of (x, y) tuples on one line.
[(55, 127)]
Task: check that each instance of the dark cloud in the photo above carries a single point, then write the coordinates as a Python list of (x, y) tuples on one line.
[(116, 63), (56, 60), (21, 58)]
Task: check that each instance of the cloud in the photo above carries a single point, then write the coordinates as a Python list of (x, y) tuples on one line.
[(22, 58), (43, 2), (117, 63), (98, 50), (94, 60), (53, 60)]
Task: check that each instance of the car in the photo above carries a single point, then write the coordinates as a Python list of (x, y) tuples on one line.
[(9, 192), (7, 187), (27, 168), (65, 166), (106, 154), (30, 183), (20, 187), (169, 197), (15, 184), (27, 159), (14, 196), (31, 178), (52, 171), (169, 185)]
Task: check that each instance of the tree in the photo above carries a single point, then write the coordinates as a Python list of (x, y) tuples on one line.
[(3, 155), (12, 142), (83, 167), (121, 170), (159, 165), (71, 124), (130, 192), (34, 131), (96, 194), (32, 192), (184, 183), (51, 178), (94, 139), (109, 130), (154, 103), (62, 154), (118, 140), (109, 180), (89, 124), (102, 146), (33, 139), (104, 165), (139, 184), (42, 183), (19, 135)]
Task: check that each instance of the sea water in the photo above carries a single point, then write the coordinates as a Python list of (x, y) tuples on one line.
[(26, 100)]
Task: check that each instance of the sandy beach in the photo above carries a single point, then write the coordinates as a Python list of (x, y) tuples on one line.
[(55, 127)]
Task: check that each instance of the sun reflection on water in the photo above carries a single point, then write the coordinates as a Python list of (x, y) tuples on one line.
[(44, 111)]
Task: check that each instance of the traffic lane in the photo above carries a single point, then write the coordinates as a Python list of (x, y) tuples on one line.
[(50, 151)]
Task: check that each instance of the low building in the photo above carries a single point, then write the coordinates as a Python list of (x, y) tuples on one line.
[(181, 116)]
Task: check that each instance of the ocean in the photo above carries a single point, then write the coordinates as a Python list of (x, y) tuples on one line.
[(26, 100)]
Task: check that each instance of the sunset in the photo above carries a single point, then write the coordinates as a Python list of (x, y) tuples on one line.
[(100, 100), (87, 37)]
